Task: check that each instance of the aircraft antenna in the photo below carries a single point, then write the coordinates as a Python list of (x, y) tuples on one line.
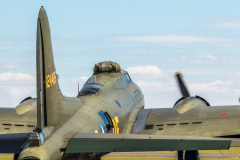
[(78, 89)]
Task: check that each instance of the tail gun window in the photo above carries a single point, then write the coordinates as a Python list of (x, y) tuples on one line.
[(127, 78), (89, 90)]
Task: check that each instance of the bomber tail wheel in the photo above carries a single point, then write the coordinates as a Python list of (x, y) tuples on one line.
[(192, 155)]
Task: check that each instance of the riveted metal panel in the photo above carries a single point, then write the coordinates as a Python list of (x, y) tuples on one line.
[(131, 145)]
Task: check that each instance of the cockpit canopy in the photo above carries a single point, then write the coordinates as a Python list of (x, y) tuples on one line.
[(89, 90), (107, 66)]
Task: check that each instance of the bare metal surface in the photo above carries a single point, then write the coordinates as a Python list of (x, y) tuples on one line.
[(141, 118)]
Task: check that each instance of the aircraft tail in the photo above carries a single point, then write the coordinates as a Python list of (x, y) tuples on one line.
[(48, 91)]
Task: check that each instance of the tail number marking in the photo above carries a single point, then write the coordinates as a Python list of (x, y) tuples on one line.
[(51, 79)]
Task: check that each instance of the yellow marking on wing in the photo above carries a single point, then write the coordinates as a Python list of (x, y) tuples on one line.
[(96, 131), (51, 79)]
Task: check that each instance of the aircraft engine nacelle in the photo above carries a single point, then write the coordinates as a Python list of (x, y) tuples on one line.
[(26, 105), (185, 104)]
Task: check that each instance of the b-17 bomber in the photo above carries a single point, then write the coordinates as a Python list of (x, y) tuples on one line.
[(108, 115)]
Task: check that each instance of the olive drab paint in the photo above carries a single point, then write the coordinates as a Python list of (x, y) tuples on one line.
[(58, 118), (61, 114)]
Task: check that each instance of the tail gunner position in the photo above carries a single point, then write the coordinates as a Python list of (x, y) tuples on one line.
[(107, 115)]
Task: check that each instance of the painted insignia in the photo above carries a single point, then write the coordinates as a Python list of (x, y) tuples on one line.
[(115, 125), (51, 79)]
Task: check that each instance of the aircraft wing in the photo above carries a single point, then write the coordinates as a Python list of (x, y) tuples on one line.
[(13, 142), (103, 142), (210, 121)]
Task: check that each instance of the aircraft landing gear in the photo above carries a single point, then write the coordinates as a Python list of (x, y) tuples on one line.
[(180, 155), (15, 156), (189, 155), (192, 155)]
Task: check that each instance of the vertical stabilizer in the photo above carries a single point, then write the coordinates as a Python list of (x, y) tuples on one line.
[(48, 89)]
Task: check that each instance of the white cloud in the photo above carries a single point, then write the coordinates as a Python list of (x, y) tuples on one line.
[(207, 56), (81, 79), (160, 86), (149, 84), (17, 93), (229, 25), (152, 71), (217, 86), (11, 65), (13, 77), (178, 59), (238, 74), (170, 39), (14, 87), (211, 57)]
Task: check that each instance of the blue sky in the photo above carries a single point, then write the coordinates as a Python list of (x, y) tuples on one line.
[(150, 39)]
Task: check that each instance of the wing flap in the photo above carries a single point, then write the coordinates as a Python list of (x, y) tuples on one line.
[(84, 143), (14, 142)]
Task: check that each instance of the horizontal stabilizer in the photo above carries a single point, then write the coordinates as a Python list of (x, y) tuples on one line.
[(14, 142), (84, 143)]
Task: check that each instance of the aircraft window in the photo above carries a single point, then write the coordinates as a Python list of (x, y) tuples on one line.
[(171, 124), (160, 129), (183, 123), (119, 105), (160, 125), (104, 118), (42, 137), (102, 128), (98, 84), (149, 126), (89, 90), (110, 125), (196, 122), (7, 124), (127, 78)]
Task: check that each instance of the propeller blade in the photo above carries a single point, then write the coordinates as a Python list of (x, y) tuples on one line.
[(182, 86)]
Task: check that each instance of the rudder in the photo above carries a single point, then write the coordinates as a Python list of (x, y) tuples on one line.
[(47, 85)]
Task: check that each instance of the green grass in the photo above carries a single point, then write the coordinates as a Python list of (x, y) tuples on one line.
[(6, 157), (138, 158), (234, 158), (161, 158), (231, 150)]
